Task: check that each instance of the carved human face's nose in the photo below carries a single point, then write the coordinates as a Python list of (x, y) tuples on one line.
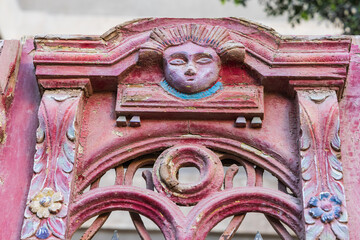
[(190, 68), (191, 71)]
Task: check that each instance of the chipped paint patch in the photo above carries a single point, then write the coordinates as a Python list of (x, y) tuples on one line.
[(118, 133), (254, 150), (2, 126), (191, 136), (80, 149)]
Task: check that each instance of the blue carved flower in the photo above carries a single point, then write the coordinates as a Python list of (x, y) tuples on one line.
[(325, 206)]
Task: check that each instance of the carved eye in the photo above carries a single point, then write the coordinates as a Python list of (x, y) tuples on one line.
[(204, 60), (177, 61)]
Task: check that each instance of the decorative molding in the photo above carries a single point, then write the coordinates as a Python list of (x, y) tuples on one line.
[(9, 55), (280, 62), (321, 168), (9, 51), (271, 161), (71, 83), (152, 101), (48, 198), (199, 221)]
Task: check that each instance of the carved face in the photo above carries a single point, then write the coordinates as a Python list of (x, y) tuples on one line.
[(190, 68)]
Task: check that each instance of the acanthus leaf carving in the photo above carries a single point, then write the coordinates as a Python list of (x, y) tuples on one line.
[(49, 193), (322, 173)]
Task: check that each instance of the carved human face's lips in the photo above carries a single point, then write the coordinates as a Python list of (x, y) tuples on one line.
[(190, 79)]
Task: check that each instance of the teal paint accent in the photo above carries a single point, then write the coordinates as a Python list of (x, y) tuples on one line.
[(207, 93)]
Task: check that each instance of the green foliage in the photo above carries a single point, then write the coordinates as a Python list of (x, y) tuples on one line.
[(342, 13)]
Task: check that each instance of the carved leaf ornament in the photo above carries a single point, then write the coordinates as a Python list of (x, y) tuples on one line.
[(53, 165), (322, 172)]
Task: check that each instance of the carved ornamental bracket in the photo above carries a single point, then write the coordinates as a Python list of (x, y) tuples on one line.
[(321, 166), (46, 212)]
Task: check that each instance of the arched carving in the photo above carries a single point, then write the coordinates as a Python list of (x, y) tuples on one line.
[(207, 197), (159, 209), (170, 219), (242, 150)]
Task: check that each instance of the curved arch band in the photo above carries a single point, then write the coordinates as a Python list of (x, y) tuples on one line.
[(275, 165), (210, 211), (161, 210), (201, 219)]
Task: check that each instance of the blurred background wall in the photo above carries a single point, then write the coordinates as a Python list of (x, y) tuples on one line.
[(94, 17)]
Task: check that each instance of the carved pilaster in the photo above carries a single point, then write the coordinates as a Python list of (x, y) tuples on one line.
[(324, 202), (48, 198)]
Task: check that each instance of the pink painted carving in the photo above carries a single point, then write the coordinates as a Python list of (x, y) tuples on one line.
[(322, 172), (191, 56), (49, 194), (164, 171), (167, 167), (228, 103), (190, 68), (190, 79)]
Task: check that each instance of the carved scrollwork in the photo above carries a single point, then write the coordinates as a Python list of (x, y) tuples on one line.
[(322, 172), (170, 161), (215, 196), (49, 193)]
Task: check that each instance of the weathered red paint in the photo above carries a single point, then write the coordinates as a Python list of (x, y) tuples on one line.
[(17, 149), (118, 76), (349, 132)]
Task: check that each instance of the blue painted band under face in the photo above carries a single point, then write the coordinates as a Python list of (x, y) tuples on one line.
[(165, 85)]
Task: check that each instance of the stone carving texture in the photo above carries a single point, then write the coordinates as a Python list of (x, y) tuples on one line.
[(322, 172), (48, 198)]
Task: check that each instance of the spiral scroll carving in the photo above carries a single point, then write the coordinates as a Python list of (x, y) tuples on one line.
[(167, 166)]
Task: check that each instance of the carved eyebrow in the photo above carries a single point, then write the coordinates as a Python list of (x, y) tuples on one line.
[(178, 55), (204, 55)]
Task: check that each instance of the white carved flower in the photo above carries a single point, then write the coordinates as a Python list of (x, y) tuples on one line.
[(45, 202)]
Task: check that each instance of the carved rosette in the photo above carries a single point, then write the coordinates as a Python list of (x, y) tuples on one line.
[(48, 198), (321, 167)]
